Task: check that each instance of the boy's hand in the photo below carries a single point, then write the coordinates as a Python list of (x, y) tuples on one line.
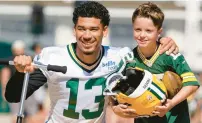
[(168, 45), (122, 110), (162, 110)]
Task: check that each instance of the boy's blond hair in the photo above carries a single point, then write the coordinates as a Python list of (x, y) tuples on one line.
[(149, 10)]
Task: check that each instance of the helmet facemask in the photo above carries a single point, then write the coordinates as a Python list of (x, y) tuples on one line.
[(131, 81), (126, 83)]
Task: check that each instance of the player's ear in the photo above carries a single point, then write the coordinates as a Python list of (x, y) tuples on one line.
[(105, 31), (74, 30)]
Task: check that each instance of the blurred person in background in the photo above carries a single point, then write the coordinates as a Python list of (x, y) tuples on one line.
[(36, 48), (17, 48), (195, 103), (40, 94), (31, 104)]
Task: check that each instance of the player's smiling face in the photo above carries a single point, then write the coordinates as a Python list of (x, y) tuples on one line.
[(89, 32), (145, 32)]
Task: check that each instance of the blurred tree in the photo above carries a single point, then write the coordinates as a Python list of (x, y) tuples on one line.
[(37, 20), (5, 52)]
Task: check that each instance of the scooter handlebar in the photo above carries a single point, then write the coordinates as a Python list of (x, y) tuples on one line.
[(55, 68), (4, 62)]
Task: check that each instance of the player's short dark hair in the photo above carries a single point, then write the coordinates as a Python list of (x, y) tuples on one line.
[(149, 10), (92, 9)]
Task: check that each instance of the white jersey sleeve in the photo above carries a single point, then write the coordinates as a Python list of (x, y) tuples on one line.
[(126, 55), (45, 58)]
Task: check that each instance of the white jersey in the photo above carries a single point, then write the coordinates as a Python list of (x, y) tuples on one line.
[(77, 95)]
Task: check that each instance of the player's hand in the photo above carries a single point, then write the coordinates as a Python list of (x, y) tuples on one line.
[(168, 45), (162, 110), (23, 63)]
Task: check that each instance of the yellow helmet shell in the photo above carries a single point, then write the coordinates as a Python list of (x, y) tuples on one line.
[(146, 97)]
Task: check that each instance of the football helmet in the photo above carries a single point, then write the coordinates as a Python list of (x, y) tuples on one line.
[(138, 89)]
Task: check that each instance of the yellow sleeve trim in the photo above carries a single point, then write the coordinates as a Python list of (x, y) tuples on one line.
[(187, 74), (191, 79)]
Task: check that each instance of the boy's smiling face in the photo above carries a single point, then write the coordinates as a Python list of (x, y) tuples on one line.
[(145, 32)]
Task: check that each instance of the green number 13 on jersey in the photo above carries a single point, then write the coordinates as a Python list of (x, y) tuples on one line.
[(76, 91)]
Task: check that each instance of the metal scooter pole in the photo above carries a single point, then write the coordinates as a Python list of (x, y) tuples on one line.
[(48, 67), (23, 97)]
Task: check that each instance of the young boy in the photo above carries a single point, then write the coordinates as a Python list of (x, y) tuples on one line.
[(147, 22), (147, 25)]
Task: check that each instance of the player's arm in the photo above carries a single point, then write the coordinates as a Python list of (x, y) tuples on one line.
[(189, 84), (14, 85), (168, 45)]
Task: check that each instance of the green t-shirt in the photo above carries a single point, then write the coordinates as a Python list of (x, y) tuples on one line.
[(158, 64), (5, 52), (4, 107)]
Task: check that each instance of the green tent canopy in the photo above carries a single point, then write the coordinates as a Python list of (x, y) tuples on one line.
[(5, 52)]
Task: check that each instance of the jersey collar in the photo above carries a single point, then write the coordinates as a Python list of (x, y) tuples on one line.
[(148, 62), (87, 67)]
